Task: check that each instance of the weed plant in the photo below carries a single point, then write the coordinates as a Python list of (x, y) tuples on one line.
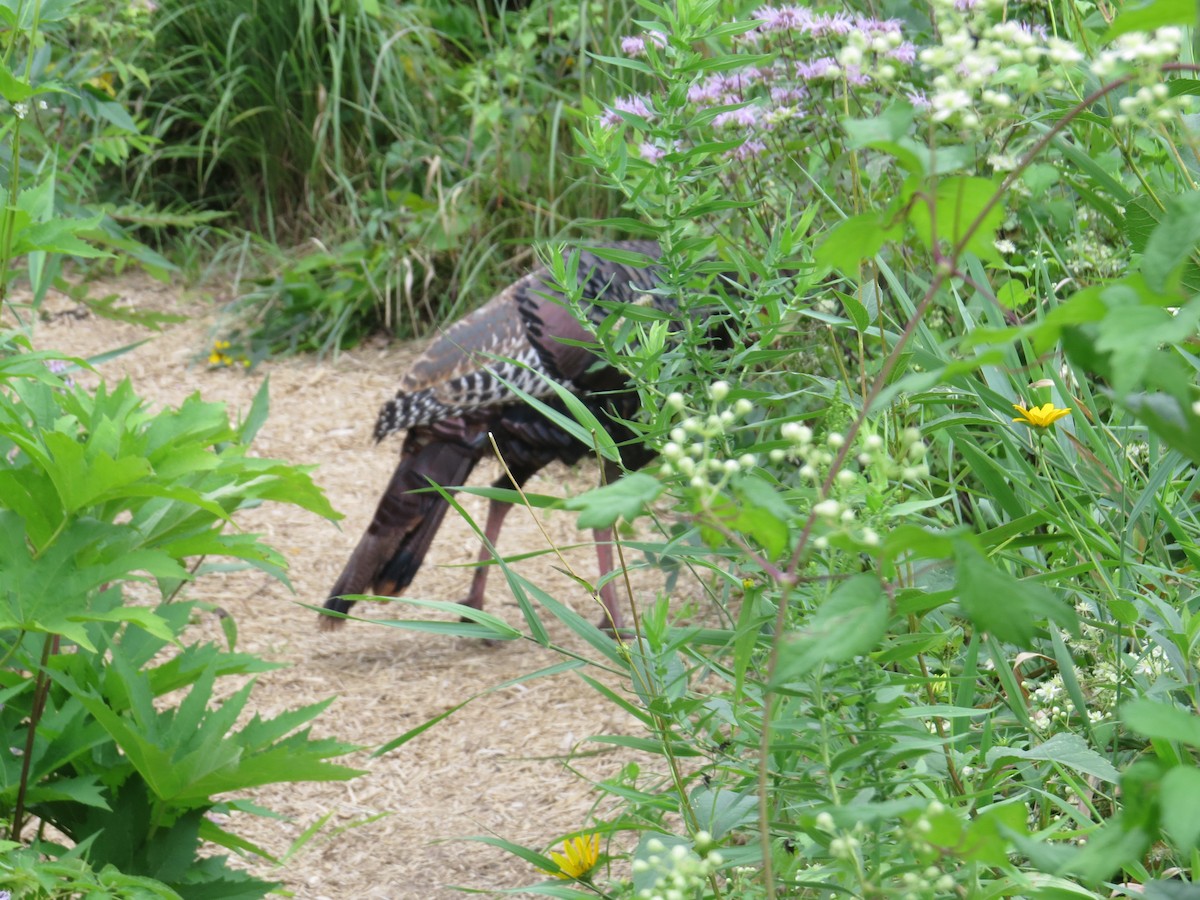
[(402, 149), (117, 752), (940, 493)]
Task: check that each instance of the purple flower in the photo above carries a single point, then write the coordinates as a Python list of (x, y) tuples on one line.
[(749, 150), (872, 27), (918, 99), (824, 67), (709, 92), (905, 53), (636, 46), (788, 95), (633, 105), (650, 153), (58, 367), (783, 18), (838, 23), (856, 76), (965, 5), (746, 117), (633, 46)]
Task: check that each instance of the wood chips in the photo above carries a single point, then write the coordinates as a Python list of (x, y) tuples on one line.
[(508, 765)]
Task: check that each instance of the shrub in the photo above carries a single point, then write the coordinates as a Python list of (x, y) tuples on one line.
[(943, 649)]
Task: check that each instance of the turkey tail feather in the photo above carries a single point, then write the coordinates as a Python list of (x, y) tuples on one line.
[(405, 522)]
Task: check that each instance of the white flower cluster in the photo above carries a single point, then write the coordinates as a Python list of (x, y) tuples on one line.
[(1139, 53), (931, 881), (1050, 705), (983, 66), (681, 872), (696, 446), (1149, 105)]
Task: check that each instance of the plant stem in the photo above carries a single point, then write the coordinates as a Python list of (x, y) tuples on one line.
[(41, 690)]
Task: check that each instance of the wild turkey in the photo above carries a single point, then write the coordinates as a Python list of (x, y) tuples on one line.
[(453, 398)]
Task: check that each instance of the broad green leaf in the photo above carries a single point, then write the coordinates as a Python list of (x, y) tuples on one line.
[(625, 499), (1150, 16), (1069, 750), (1005, 606), (1174, 239), (719, 811), (1180, 801), (1160, 721), (959, 218), (854, 239), (850, 623)]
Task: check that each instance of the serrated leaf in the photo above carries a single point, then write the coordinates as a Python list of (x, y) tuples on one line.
[(1007, 607), (959, 216), (848, 624), (855, 239), (1173, 240)]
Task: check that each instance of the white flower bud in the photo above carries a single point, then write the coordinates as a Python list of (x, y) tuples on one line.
[(777, 455), (846, 477), (828, 509), (743, 406), (718, 391), (835, 440), (747, 461), (675, 400)]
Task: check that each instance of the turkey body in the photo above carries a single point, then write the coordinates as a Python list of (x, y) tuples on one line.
[(457, 394)]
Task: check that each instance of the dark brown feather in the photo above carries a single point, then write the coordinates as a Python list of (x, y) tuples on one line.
[(454, 396)]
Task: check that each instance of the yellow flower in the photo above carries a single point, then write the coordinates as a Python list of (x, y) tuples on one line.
[(1040, 416), (578, 857), (747, 583)]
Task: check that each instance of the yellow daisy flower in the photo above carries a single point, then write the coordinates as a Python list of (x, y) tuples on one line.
[(1040, 416), (578, 857)]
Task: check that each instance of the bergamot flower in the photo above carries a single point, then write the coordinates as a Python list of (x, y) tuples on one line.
[(1040, 416), (578, 857)]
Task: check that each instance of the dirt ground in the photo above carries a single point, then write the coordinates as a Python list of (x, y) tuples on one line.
[(513, 765)]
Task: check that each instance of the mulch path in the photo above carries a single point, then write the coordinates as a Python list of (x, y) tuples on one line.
[(515, 764)]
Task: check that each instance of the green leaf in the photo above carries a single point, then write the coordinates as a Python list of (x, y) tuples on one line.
[(1152, 15), (1180, 801), (12, 88), (850, 623), (959, 217), (762, 513), (719, 811), (625, 499), (1069, 750), (1005, 606), (855, 239), (1162, 722), (1173, 240)]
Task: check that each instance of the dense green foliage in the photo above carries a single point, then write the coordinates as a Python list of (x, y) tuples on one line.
[(937, 493), (946, 650), (114, 734), (414, 145)]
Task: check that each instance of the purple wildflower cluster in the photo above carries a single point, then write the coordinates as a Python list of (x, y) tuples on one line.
[(816, 55)]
